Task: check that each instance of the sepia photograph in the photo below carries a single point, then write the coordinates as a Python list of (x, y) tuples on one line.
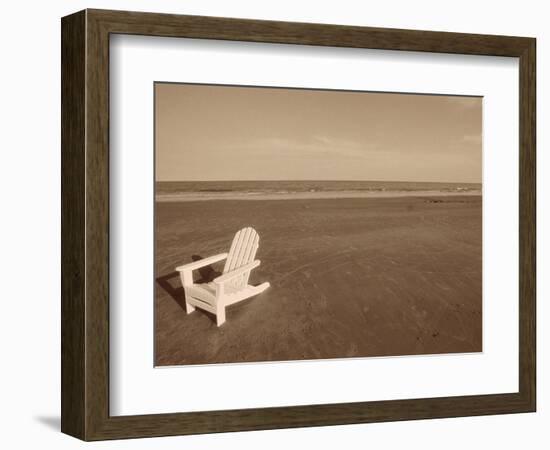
[(306, 224)]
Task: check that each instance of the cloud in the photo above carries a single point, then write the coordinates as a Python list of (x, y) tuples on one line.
[(315, 146)]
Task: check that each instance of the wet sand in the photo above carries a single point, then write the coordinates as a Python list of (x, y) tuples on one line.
[(199, 196), (350, 277)]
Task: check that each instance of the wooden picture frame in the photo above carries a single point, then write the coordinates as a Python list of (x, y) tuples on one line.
[(85, 224)]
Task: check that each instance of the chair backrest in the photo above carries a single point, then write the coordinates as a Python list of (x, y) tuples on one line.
[(243, 251)]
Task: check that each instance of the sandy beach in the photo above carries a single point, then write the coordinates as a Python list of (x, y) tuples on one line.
[(350, 277)]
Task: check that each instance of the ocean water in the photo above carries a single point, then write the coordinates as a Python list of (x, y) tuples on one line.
[(169, 188)]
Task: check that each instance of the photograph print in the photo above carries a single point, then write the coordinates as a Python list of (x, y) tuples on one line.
[(306, 224)]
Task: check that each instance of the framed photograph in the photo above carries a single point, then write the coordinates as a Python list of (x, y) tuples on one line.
[(271, 224)]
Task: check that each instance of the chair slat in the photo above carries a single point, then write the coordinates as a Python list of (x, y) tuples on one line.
[(242, 247), (250, 255), (235, 247), (243, 250)]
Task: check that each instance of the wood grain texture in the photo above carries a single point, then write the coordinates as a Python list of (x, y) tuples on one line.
[(97, 225), (152, 24), (85, 224), (73, 225), (527, 224)]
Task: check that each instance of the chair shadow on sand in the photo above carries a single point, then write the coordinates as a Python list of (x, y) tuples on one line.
[(170, 283)]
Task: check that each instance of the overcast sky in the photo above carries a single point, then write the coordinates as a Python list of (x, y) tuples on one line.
[(243, 133)]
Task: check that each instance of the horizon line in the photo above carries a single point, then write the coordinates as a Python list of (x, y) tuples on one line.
[(313, 179)]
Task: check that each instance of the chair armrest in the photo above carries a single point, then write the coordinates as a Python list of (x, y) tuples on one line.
[(235, 273), (202, 262)]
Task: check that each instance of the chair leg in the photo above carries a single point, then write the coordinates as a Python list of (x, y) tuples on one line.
[(187, 280), (220, 315), (189, 308)]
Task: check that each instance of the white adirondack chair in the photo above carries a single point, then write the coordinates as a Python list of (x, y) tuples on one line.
[(230, 287)]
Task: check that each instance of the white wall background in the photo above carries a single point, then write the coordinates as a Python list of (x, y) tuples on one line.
[(30, 221)]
